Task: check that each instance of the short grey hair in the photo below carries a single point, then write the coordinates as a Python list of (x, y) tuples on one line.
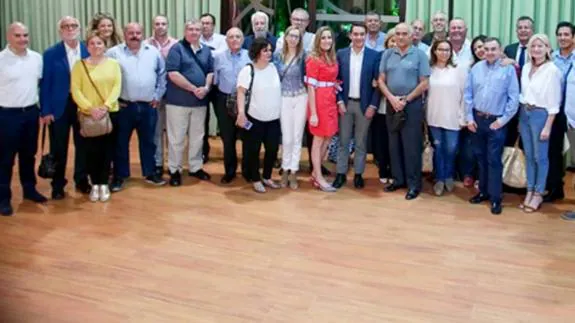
[(192, 22), (260, 14), (302, 11), (67, 18)]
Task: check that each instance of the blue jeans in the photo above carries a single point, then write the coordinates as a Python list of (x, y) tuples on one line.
[(531, 123), (142, 117), (467, 162), (488, 149), (445, 145)]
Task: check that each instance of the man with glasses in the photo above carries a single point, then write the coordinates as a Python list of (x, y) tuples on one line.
[(300, 19), (59, 110)]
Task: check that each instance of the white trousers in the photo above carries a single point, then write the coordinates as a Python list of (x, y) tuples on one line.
[(182, 121), (292, 119)]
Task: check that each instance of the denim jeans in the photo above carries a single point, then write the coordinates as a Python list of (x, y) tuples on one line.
[(531, 123), (466, 160), (445, 145), (488, 149)]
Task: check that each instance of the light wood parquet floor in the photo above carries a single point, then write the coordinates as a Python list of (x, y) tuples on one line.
[(205, 252)]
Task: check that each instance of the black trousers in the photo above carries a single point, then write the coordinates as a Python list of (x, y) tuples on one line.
[(59, 139), (18, 135), (228, 134), (212, 97), (100, 152), (556, 161), (380, 141), (268, 133), (406, 147)]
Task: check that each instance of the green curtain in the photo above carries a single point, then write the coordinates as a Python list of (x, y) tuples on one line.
[(41, 16), (497, 17)]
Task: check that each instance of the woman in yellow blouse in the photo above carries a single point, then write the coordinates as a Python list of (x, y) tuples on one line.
[(107, 77)]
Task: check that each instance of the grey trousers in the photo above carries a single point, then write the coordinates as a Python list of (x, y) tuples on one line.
[(352, 123), (406, 147), (159, 135)]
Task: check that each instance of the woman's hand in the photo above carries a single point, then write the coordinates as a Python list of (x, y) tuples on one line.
[(98, 112), (313, 120), (545, 133), (241, 120)]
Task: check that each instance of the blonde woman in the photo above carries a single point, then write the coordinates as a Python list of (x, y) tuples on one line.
[(322, 84), (540, 101), (290, 63), (96, 83), (105, 25)]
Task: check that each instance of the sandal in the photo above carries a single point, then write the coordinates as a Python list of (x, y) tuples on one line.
[(527, 200), (538, 200)]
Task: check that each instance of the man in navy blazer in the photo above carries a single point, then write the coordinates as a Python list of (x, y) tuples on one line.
[(357, 102), (58, 109)]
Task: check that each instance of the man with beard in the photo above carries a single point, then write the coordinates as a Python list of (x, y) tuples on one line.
[(260, 26), (143, 86), (163, 42), (375, 38), (59, 110), (439, 23), (21, 69), (300, 19)]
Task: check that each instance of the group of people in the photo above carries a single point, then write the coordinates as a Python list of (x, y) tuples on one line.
[(470, 98)]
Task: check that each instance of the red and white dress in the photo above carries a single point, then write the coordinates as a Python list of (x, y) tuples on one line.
[(323, 77)]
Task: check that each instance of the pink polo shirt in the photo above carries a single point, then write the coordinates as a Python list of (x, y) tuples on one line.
[(163, 48)]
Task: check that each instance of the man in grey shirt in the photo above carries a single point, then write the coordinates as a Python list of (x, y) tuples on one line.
[(404, 73)]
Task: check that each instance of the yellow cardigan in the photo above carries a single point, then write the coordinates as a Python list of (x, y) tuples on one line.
[(108, 78)]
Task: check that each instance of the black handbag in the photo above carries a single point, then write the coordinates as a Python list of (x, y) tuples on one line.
[(47, 168), (232, 99)]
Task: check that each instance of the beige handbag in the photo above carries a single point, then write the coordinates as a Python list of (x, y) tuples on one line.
[(514, 172), (427, 156), (90, 127)]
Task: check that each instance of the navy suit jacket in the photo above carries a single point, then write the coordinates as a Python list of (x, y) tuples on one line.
[(250, 39), (55, 83), (369, 95), (511, 50)]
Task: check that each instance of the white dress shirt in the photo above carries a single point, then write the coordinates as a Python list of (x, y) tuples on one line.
[(445, 104), (217, 43), (355, 63), (73, 54), (543, 88), (20, 77)]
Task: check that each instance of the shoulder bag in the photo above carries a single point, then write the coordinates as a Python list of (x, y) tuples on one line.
[(90, 127), (48, 163), (232, 99)]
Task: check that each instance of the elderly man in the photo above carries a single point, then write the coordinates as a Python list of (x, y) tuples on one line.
[(260, 26), (462, 52), (439, 23), (300, 19), (404, 73), (59, 110), (143, 86), (491, 99), (163, 42), (190, 67), (375, 38), (418, 29), (21, 70), (227, 66)]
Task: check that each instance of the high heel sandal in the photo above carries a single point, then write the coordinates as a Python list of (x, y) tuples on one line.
[(532, 209), (527, 200), (327, 188)]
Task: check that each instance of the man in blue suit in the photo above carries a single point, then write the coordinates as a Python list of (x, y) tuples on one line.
[(58, 108), (357, 102)]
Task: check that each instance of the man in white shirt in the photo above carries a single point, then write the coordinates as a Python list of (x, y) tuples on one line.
[(462, 52), (300, 19), (216, 42), (21, 70)]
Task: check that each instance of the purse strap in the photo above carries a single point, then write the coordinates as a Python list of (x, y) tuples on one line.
[(252, 74), (92, 81), (287, 68), (563, 97), (43, 138)]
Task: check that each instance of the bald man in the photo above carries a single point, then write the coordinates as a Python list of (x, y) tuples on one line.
[(21, 70), (59, 110), (143, 86)]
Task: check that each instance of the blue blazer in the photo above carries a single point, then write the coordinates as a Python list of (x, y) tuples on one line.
[(369, 95), (55, 83)]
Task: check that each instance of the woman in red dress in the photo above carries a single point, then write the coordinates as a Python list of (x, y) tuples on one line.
[(321, 79)]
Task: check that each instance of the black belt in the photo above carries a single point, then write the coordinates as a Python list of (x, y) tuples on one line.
[(486, 115), (28, 108), (133, 102), (354, 99)]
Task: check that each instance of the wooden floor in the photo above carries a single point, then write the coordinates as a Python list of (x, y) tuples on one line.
[(207, 253)]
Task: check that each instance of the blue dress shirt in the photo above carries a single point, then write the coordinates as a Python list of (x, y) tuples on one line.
[(143, 74), (227, 66), (379, 42), (492, 89)]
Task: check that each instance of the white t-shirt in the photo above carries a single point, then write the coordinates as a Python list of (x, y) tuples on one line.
[(19, 78), (266, 97), (445, 104), (543, 88)]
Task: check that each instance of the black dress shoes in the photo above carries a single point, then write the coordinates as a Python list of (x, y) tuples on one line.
[(175, 179), (201, 175), (35, 197), (226, 179), (58, 194), (496, 208), (358, 181), (554, 195), (479, 198), (6, 208), (411, 195), (339, 181), (392, 188)]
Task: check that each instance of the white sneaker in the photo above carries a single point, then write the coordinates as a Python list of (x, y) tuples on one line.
[(104, 193), (95, 193)]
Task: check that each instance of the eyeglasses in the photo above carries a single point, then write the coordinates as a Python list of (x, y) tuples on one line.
[(445, 50), (293, 36), (69, 26)]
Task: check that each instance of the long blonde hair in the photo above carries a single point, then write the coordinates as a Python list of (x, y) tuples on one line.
[(299, 47), (318, 53)]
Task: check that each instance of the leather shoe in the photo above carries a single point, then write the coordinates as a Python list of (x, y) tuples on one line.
[(84, 187), (226, 179), (411, 195), (175, 179), (201, 175), (554, 195), (339, 181), (35, 197), (358, 181), (58, 194), (496, 208), (392, 188), (6, 208), (479, 198)]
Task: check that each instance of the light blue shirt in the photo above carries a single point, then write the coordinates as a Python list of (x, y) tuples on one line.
[(423, 46), (227, 66), (563, 62), (492, 89), (379, 42), (570, 98), (143, 73)]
